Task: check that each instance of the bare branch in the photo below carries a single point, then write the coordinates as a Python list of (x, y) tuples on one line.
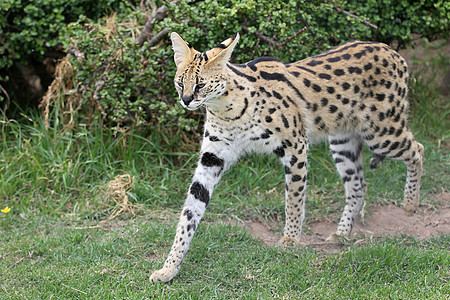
[(294, 36), (159, 15), (263, 37), (347, 13), (158, 37), (272, 41), (98, 86), (74, 50)]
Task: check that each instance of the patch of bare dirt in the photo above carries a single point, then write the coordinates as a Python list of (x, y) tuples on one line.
[(385, 220)]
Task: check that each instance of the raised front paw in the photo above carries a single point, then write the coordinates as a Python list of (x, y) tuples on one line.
[(163, 275), (287, 242)]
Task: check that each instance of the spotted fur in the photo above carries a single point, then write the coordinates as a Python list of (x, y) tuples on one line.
[(353, 95)]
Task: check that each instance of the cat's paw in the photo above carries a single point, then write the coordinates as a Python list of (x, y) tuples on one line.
[(288, 242), (163, 275)]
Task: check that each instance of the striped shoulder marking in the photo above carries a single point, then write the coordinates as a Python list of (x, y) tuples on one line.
[(282, 78), (252, 64), (239, 73)]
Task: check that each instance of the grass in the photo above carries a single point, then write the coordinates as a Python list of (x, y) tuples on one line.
[(58, 243), (57, 260)]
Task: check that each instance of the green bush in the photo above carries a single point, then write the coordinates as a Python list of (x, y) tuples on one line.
[(398, 20), (28, 29), (130, 85), (29, 32), (121, 84)]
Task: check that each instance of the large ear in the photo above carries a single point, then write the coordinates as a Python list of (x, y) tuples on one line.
[(221, 53), (183, 51)]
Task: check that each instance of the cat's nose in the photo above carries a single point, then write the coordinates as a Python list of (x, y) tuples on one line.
[(187, 99)]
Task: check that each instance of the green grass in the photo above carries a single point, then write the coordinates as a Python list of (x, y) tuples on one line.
[(59, 260), (58, 243)]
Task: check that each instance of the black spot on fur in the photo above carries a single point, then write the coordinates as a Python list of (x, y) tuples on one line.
[(199, 191), (266, 134), (277, 95), (346, 56), (294, 159), (356, 70), (313, 63), (360, 54), (339, 72), (350, 171), (188, 213), (333, 59), (279, 151), (324, 76), (287, 170), (332, 108), (285, 121), (306, 82), (380, 97), (296, 178), (367, 66), (211, 160)]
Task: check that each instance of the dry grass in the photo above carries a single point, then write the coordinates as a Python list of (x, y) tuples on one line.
[(116, 192), (61, 93)]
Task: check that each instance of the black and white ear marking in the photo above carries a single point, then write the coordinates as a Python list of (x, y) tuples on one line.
[(221, 53)]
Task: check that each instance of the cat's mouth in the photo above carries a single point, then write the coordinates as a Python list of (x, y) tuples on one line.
[(194, 105)]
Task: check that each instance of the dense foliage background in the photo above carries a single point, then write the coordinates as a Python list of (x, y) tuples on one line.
[(112, 78)]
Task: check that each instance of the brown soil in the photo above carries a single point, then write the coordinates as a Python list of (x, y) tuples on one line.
[(385, 220)]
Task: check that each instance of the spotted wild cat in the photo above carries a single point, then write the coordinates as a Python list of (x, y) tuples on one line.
[(353, 94)]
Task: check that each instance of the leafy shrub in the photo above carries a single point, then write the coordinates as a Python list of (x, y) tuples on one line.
[(130, 85), (29, 31), (398, 20), (120, 83)]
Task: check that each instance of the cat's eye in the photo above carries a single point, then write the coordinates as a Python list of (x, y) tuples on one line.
[(180, 84), (198, 87)]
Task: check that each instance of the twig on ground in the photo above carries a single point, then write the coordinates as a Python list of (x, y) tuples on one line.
[(98, 226), (77, 290), (20, 260), (9, 253)]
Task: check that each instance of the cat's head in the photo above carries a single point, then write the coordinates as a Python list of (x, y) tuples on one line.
[(200, 78)]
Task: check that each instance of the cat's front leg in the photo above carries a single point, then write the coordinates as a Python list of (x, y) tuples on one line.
[(214, 160)]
